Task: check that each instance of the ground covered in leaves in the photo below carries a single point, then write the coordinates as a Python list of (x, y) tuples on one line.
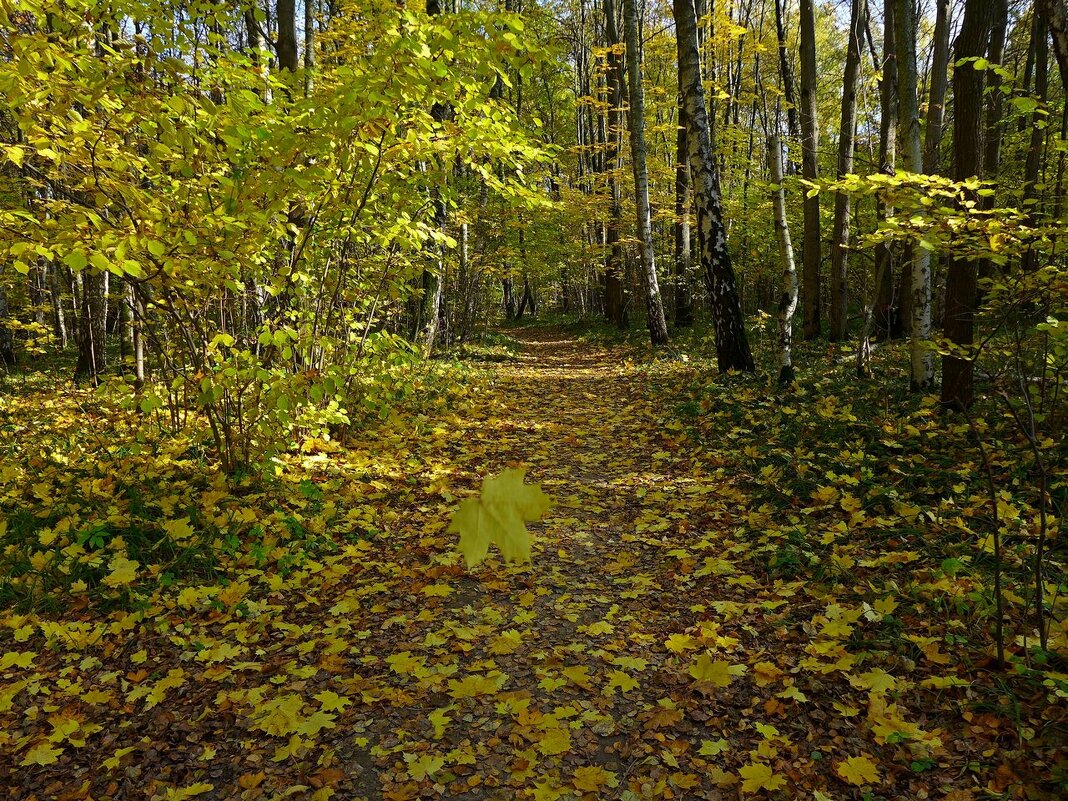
[(734, 595)]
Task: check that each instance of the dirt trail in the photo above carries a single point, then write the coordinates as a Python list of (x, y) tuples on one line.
[(388, 671)]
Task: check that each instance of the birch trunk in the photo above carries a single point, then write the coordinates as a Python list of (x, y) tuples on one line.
[(683, 247), (921, 360), (732, 344), (655, 321), (788, 301)]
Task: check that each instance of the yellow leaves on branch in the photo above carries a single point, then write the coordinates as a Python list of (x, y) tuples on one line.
[(499, 516)]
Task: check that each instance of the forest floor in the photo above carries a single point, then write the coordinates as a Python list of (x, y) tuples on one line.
[(691, 626)]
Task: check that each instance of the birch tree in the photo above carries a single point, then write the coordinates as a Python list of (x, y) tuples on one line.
[(920, 358), (655, 321), (732, 344), (788, 300)]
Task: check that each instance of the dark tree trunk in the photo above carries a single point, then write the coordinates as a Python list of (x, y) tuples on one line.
[(811, 258), (1036, 147), (846, 143), (615, 296), (959, 323)]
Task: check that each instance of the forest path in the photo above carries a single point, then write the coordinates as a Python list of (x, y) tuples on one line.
[(648, 651)]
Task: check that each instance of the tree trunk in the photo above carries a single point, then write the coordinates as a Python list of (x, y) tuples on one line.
[(810, 260), (59, 322), (786, 76), (732, 345), (615, 296), (936, 101), (1036, 147), (788, 301), (683, 249), (921, 361), (959, 323), (846, 142), (286, 45), (91, 356), (1055, 13), (885, 321), (7, 341), (309, 45), (658, 332)]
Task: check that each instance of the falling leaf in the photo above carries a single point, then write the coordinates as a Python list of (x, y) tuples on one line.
[(440, 720), (281, 716), (498, 516)]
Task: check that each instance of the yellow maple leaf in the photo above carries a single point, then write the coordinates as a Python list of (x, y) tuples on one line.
[(184, 793), (281, 716), (440, 720), (404, 663), (330, 701), (766, 673), (593, 778), (677, 643), (578, 674), (858, 770), (437, 590), (179, 530), (115, 760), (471, 686), (713, 747), (498, 516), (423, 767), (41, 754), (175, 678), (709, 671), (316, 722), (545, 791), (123, 572), (506, 642), (19, 659), (555, 741), (758, 776), (617, 678)]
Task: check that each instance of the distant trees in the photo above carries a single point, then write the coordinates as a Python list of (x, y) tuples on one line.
[(477, 184)]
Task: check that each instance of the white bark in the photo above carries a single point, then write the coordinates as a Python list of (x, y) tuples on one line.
[(788, 302), (921, 359), (658, 332)]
